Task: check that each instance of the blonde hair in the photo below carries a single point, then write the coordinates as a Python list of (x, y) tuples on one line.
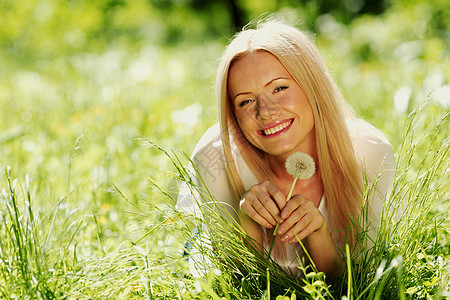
[(340, 174)]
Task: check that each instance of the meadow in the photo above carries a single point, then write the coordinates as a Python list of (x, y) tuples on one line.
[(87, 209)]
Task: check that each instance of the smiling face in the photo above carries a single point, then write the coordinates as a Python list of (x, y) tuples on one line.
[(271, 109)]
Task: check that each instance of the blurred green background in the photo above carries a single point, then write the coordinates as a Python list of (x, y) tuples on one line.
[(81, 80)]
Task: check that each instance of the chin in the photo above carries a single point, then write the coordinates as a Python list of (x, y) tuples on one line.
[(279, 152)]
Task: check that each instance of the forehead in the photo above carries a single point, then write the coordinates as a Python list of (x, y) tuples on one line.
[(256, 68), (256, 60)]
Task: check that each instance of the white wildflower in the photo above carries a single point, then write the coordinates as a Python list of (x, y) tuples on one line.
[(300, 165)]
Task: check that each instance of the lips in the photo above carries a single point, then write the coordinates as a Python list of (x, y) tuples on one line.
[(276, 129)]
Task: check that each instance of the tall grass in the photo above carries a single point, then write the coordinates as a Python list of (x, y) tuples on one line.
[(42, 256), (25, 247), (64, 253), (411, 227)]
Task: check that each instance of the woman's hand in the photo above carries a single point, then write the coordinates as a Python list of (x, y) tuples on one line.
[(301, 219), (263, 203)]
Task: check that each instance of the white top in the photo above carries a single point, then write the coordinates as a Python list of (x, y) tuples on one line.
[(371, 147)]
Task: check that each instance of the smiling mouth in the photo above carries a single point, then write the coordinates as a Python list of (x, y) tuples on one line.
[(276, 129)]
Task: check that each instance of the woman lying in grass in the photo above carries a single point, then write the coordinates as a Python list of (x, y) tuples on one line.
[(276, 97)]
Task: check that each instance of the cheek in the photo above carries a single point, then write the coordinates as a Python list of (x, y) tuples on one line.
[(248, 128), (245, 122), (302, 106), (245, 128), (309, 110)]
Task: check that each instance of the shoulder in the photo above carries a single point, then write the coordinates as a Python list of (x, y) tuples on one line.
[(209, 139), (370, 144), (208, 158), (374, 154), (209, 162), (209, 148)]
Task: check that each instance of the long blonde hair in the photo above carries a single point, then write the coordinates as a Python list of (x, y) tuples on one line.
[(340, 174)]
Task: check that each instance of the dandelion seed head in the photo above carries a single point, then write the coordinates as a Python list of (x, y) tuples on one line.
[(300, 165)]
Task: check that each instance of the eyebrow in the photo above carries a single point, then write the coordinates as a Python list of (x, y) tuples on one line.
[(267, 84)]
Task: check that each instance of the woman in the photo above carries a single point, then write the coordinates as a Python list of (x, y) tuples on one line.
[(276, 97)]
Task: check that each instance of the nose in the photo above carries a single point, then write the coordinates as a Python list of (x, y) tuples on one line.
[(266, 108)]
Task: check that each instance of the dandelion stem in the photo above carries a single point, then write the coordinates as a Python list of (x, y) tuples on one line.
[(275, 230), (291, 190), (278, 224)]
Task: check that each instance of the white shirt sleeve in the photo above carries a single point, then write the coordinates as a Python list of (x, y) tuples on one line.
[(209, 163)]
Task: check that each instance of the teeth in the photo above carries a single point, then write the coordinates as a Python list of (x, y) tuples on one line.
[(276, 128)]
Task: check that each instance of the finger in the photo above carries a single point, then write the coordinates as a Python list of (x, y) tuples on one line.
[(265, 203), (262, 204), (300, 207), (276, 194), (261, 210), (307, 231), (254, 215), (298, 227), (252, 207), (293, 220), (295, 202)]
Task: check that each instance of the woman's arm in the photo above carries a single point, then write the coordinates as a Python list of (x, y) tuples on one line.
[(324, 253), (301, 220)]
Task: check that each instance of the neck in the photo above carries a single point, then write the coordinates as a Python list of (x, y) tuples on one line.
[(311, 188)]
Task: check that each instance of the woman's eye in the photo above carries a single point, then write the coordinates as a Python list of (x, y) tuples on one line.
[(242, 103), (280, 88)]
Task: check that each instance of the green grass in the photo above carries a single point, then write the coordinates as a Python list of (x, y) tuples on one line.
[(62, 252), (87, 209)]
